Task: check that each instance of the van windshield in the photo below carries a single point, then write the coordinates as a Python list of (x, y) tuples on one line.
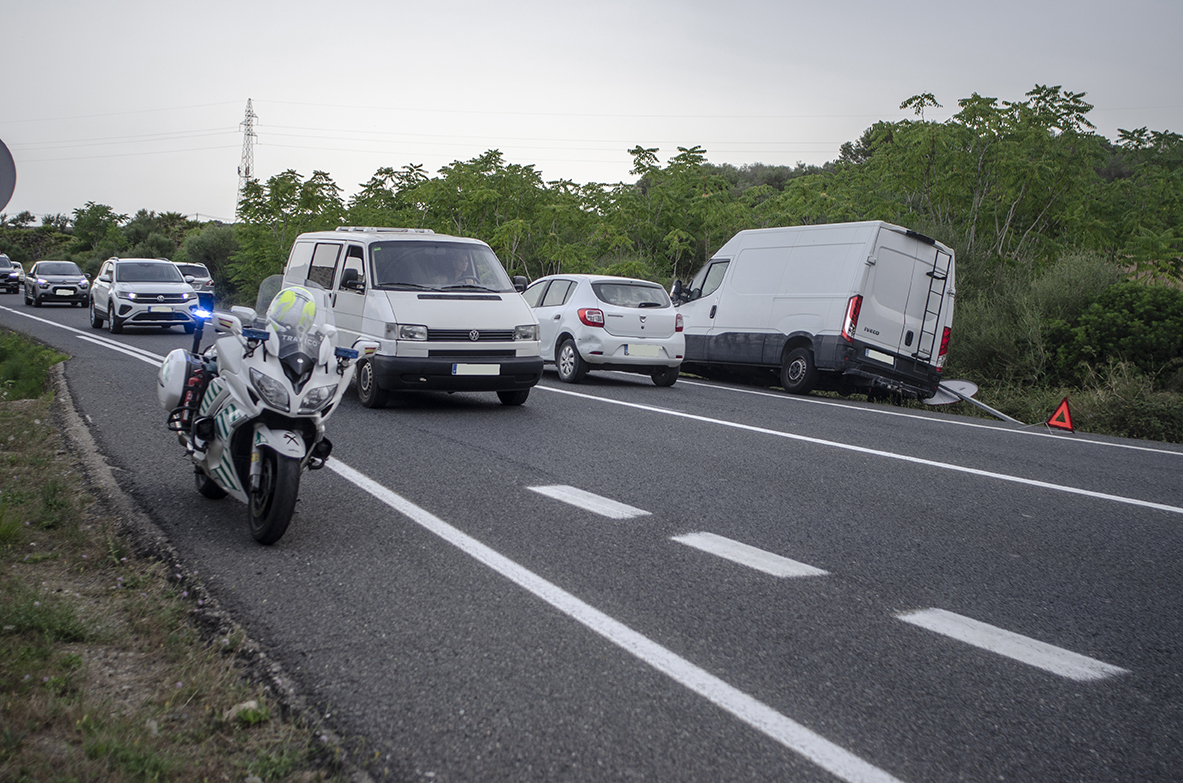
[(437, 266)]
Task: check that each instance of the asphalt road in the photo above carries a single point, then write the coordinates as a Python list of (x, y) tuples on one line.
[(701, 583)]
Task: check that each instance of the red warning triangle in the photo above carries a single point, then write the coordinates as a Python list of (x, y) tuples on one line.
[(1062, 418)]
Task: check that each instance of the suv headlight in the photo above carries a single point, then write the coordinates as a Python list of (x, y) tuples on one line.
[(126, 295), (527, 332), (270, 390)]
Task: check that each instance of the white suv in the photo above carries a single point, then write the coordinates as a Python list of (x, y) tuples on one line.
[(141, 292)]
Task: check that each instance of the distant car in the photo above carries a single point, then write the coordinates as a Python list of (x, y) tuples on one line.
[(598, 322), (21, 268), (141, 292), (56, 281), (202, 282), (10, 274)]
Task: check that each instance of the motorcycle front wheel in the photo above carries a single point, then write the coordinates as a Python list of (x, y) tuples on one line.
[(269, 509)]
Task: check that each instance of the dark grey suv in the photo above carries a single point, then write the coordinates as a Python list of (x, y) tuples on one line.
[(10, 274)]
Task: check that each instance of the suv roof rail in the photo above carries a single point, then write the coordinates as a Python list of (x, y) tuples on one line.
[(372, 230)]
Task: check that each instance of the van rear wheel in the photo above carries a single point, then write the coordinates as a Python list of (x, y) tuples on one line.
[(798, 373)]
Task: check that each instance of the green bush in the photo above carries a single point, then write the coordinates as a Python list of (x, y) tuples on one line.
[(23, 366), (1130, 322)]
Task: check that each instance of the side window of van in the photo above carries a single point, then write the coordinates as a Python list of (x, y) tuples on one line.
[(324, 264), (707, 281), (299, 260), (353, 274)]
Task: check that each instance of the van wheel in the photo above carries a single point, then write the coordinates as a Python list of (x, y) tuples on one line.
[(798, 374), (368, 391), (664, 376), (569, 363), (514, 397)]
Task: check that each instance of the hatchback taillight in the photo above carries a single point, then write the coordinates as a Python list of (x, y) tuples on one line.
[(591, 316), (678, 322), (944, 348), (851, 323)]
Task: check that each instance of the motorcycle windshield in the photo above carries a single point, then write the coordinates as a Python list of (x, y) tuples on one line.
[(298, 316)]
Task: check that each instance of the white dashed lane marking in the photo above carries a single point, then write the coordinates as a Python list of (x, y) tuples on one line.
[(590, 502), (1056, 660), (747, 555)]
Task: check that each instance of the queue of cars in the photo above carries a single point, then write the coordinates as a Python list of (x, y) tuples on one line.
[(447, 315)]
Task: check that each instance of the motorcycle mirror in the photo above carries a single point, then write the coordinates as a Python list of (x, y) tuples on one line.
[(224, 322)]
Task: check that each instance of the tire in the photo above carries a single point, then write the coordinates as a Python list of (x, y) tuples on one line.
[(269, 510), (368, 390), (28, 299), (515, 397), (36, 301), (113, 323), (571, 366), (190, 328), (665, 376), (206, 486), (96, 320), (798, 374)]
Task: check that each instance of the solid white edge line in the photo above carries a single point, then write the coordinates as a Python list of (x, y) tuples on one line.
[(1024, 649), (877, 452), (106, 342), (949, 421), (792, 735), (747, 555), (588, 501), (121, 349)]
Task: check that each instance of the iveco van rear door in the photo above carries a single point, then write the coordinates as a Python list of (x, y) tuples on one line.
[(906, 291)]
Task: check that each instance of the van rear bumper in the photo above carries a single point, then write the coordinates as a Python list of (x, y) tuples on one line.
[(877, 368), (398, 373)]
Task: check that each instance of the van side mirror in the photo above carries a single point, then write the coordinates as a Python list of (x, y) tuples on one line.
[(519, 283), (351, 281), (676, 292)]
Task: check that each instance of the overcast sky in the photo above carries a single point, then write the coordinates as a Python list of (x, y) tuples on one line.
[(139, 105)]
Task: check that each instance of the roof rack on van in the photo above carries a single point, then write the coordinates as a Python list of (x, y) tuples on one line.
[(370, 230)]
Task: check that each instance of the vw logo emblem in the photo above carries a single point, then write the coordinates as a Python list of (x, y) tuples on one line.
[(474, 335), (160, 298)]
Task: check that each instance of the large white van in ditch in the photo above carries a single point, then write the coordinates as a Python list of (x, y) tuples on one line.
[(443, 309), (864, 307)]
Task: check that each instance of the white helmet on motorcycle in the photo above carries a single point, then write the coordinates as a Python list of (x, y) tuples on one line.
[(173, 376)]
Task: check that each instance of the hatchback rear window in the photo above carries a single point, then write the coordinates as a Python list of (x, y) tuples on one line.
[(197, 270), (631, 294)]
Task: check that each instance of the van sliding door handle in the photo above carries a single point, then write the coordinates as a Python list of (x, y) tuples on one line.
[(712, 315)]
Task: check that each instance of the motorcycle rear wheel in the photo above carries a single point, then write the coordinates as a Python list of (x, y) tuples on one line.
[(270, 508)]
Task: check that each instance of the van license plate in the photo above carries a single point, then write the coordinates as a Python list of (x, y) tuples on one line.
[(476, 369), (880, 356), (648, 351)]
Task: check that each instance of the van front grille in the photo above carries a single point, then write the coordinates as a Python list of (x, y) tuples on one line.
[(470, 335)]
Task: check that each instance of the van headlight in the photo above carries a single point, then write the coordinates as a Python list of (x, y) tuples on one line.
[(527, 332), (412, 332)]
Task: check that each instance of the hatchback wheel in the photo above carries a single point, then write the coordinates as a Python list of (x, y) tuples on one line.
[(571, 366)]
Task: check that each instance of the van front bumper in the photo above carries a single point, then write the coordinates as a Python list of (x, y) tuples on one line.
[(502, 373)]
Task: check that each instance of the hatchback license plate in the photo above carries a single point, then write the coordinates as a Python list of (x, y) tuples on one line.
[(647, 351), (64, 292), (476, 369)]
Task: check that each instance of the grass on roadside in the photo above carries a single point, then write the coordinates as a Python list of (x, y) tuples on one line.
[(104, 675)]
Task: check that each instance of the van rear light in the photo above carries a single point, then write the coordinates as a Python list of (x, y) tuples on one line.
[(591, 316), (851, 323), (678, 323), (944, 348)]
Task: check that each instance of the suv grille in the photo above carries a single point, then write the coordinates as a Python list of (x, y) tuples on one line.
[(156, 298)]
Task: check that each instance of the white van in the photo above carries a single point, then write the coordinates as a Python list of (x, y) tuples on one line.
[(443, 309), (847, 306)]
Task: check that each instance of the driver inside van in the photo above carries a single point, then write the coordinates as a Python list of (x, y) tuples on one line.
[(459, 271)]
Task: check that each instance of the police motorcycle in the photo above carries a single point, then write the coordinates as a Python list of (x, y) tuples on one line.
[(250, 409)]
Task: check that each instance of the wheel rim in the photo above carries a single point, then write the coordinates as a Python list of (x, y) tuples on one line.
[(566, 360), (365, 379), (796, 370), (261, 499)]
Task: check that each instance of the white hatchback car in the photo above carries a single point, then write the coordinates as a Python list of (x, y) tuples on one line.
[(599, 322), (141, 292)]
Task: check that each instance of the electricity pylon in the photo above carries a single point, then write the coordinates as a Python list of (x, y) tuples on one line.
[(246, 169)]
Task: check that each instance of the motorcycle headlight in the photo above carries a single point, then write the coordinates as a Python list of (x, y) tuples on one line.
[(270, 390), (317, 398)]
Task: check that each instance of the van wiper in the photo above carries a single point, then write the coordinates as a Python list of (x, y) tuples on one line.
[(406, 285), (469, 287)]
